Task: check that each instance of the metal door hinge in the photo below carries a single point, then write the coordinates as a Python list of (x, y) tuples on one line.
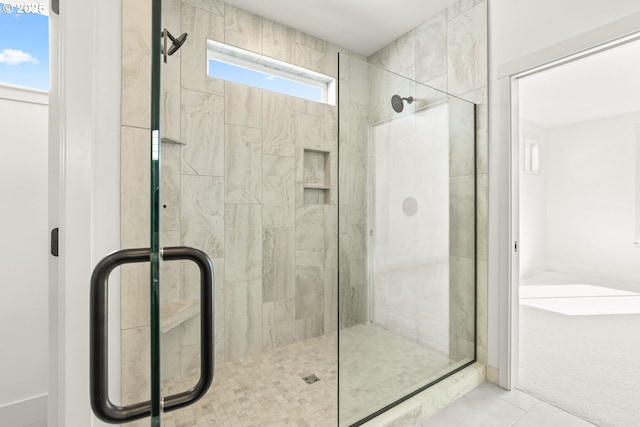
[(54, 242)]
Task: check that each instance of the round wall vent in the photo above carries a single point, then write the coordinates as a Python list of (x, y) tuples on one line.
[(410, 206)]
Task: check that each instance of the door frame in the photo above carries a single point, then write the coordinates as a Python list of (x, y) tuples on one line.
[(84, 194), (589, 43)]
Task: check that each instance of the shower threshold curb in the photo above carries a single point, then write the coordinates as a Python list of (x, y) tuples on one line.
[(432, 400)]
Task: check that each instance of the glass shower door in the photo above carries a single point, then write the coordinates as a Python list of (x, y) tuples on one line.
[(154, 209), (143, 270), (407, 238)]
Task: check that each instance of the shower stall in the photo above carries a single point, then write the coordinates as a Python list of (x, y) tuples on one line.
[(342, 237)]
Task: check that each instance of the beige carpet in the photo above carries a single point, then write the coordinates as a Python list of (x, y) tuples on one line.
[(588, 365)]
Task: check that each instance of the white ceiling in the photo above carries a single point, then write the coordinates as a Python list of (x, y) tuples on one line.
[(601, 85), (362, 26)]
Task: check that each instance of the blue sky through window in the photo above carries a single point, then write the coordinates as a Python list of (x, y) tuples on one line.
[(222, 70), (24, 48)]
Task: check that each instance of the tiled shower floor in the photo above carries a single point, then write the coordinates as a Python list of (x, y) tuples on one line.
[(267, 389)]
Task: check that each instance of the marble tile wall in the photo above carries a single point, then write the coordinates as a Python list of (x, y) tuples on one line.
[(355, 86), (449, 52), (232, 185)]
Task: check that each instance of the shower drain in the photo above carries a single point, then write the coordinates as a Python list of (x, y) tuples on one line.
[(311, 379)]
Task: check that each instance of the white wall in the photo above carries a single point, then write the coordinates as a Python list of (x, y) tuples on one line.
[(591, 198), (579, 215), (517, 28), (86, 49), (24, 249), (533, 206)]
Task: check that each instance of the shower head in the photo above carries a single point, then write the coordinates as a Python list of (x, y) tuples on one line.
[(397, 102), (176, 43)]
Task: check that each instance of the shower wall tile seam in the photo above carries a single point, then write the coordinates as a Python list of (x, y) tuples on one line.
[(135, 127), (136, 327), (243, 126), (465, 175), (204, 175), (202, 10), (278, 155), (244, 203), (249, 279), (477, 89), (358, 103), (467, 258), (433, 78), (205, 92)]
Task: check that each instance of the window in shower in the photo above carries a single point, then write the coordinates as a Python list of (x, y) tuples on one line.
[(252, 69)]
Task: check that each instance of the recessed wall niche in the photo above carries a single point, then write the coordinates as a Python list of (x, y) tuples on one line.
[(316, 176)]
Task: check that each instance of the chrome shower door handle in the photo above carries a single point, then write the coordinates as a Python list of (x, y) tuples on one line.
[(101, 404)]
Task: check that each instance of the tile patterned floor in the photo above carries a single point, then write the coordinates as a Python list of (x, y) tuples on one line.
[(378, 367), (267, 390), (491, 406)]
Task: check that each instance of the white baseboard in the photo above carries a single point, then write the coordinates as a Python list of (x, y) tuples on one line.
[(26, 413)]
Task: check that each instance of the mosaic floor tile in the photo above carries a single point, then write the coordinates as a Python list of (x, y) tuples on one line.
[(268, 390)]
